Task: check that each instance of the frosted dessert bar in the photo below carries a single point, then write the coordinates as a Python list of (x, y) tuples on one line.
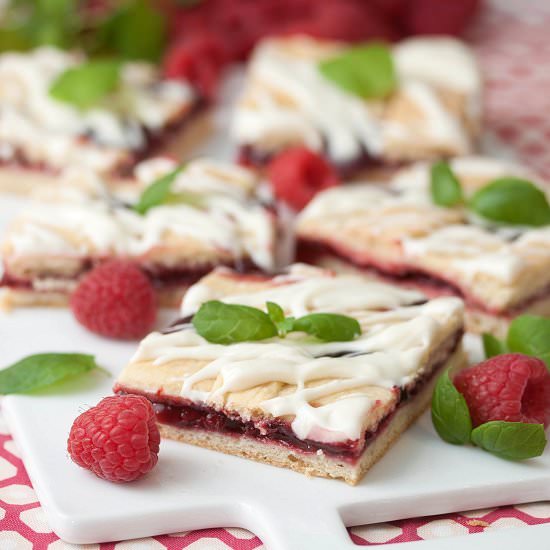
[(396, 232), (434, 111), (322, 409), (214, 217), (40, 136)]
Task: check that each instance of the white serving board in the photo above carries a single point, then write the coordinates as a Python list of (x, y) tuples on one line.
[(193, 488)]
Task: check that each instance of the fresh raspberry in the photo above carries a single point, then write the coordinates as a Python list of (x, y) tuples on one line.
[(511, 387), (437, 17), (198, 58), (118, 439), (115, 300), (298, 174)]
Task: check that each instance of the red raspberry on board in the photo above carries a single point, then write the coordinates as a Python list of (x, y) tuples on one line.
[(115, 300), (118, 439), (511, 387), (298, 174)]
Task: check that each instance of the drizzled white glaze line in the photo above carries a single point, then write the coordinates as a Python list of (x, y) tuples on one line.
[(321, 292)]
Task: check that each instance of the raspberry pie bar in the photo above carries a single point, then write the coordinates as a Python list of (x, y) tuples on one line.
[(327, 409), (40, 135), (433, 111), (396, 232), (214, 217)]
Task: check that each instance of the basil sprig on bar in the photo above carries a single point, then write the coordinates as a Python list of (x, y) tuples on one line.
[(44, 369), (222, 323), (158, 192), (528, 334), (85, 85), (510, 200), (367, 70), (509, 440)]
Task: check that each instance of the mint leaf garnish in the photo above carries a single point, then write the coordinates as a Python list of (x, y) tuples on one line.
[(158, 192), (330, 327), (450, 413), (136, 31), (44, 369), (530, 334), (229, 323), (366, 71), (444, 185), (493, 346), (512, 201), (283, 324), (511, 440), (86, 84)]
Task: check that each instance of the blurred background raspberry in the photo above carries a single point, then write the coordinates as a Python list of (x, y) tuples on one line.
[(207, 35)]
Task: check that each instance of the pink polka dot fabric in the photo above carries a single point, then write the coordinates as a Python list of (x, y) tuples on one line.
[(511, 39)]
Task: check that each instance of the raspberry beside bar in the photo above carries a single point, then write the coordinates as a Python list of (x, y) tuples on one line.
[(40, 136), (323, 409), (218, 221), (435, 110), (397, 233)]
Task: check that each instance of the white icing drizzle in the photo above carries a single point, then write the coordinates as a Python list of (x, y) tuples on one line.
[(92, 226), (394, 343), (281, 104), (469, 245), (299, 293), (49, 131)]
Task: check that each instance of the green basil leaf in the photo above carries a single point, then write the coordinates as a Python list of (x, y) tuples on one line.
[(277, 315), (43, 369), (14, 38), (444, 185), (511, 440), (137, 31), (493, 346), (530, 334), (86, 84), (367, 71), (228, 323), (513, 201), (450, 413), (330, 327), (158, 192)]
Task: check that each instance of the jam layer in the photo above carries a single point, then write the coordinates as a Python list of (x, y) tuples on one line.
[(161, 277), (184, 414)]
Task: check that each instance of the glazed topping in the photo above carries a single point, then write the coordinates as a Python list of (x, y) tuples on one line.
[(303, 290), (433, 237), (327, 395), (286, 86), (44, 129), (227, 220)]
